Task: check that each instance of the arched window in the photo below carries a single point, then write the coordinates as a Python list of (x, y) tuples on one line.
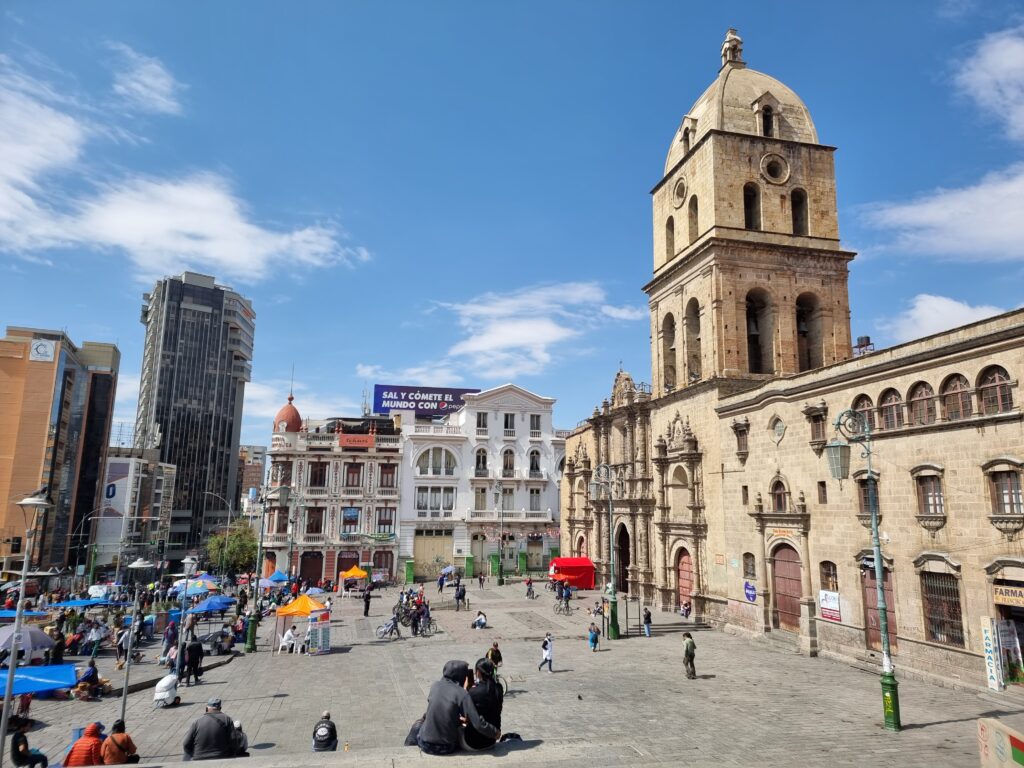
[(760, 329), (670, 238), (994, 391), (866, 409), (779, 496), (436, 461), (694, 231), (768, 122), (686, 140), (481, 462), (534, 463), (749, 566), (668, 352), (798, 203), (809, 335), (922, 404), (693, 346), (829, 576), (890, 404), (956, 398), (751, 206), (508, 463)]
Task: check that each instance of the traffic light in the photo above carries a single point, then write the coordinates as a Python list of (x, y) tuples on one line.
[(15, 545), (160, 548)]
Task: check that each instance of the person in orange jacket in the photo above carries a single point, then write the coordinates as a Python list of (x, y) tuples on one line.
[(88, 750)]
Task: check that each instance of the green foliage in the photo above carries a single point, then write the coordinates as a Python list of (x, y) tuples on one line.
[(238, 545)]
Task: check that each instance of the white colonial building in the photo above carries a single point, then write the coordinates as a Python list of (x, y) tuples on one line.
[(487, 472)]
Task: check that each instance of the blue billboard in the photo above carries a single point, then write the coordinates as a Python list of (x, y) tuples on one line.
[(425, 401)]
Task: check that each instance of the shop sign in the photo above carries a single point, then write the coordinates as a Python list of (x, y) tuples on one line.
[(1003, 595), (355, 441), (786, 533), (719, 559), (993, 666), (749, 591), (829, 604)]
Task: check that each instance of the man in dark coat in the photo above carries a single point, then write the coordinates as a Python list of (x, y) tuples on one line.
[(194, 661), (366, 599), (448, 700), (211, 736)]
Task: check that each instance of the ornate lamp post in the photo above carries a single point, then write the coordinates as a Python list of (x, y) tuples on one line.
[(603, 478), (856, 428), (189, 566), (500, 507), (280, 495), (138, 564), (36, 504)]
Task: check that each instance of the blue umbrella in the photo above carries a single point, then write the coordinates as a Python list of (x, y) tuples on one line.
[(314, 591), (213, 604), (38, 679), (278, 576)]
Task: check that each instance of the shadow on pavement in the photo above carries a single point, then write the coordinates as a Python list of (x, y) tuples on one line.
[(993, 713), (263, 745), (504, 747)]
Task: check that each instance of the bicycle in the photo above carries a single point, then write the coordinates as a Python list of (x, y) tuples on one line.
[(564, 608), (389, 630), (531, 594), (428, 628)]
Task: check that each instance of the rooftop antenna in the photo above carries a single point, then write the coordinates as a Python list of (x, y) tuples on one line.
[(291, 385), (366, 402)]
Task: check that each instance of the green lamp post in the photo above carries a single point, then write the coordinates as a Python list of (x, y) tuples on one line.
[(857, 429)]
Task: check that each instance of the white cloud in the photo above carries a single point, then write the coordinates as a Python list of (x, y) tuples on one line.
[(163, 225), (993, 76), (954, 9), (263, 399), (144, 83), (982, 222), (929, 314), (626, 313), (509, 335)]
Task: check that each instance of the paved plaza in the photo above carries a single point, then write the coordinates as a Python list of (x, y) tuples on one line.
[(755, 702)]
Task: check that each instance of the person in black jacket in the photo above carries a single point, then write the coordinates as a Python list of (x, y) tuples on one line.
[(488, 698), (194, 659), (325, 734), (441, 730)]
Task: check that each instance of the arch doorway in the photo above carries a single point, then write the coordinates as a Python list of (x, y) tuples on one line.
[(684, 574), (786, 587), (622, 561), (346, 559), (581, 546), (311, 566)]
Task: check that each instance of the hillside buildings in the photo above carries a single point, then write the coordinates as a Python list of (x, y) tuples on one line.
[(722, 494)]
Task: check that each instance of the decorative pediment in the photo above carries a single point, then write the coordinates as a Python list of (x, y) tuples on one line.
[(766, 99), (623, 390)]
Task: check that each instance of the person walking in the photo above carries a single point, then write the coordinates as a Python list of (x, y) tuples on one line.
[(366, 599), (494, 654), (593, 635), (480, 580), (547, 652), (689, 651), (118, 748), (440, 584), (20, 752), (647, 622), (88, 749), (170, 638), (211, 736), (194, 659), (325, 734)]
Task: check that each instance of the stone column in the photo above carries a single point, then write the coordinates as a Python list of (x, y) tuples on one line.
[(634, 553), (631, 448), (808, 605), (644, 428), (606, 435)]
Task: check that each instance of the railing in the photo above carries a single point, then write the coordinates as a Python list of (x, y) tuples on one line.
[(435, 471), (510, 515), (482, 472), (389, 441), (510, 433), (437, 429), (535, 434), (387, 491), (481, 432), (508, 473), (316, 438), (313, 538), (273, 539), (316, 492), (561, 434), (536, 474)]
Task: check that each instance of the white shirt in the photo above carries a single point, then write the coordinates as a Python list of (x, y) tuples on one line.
[(289, 636)]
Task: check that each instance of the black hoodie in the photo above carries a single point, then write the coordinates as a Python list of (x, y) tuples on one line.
[(447, 700)]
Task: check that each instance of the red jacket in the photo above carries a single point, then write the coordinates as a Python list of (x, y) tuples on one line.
[(87, 750)]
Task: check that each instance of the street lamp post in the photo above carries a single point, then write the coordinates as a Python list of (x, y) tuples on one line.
[(857, 429), (227, 533), (35, 503), (281, 496), (603, 478), (139, 563), (499, 505), (189, 565)]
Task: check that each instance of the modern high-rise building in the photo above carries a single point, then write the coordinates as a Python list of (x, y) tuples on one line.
[(252, 468), (56, 404), (196, 361)]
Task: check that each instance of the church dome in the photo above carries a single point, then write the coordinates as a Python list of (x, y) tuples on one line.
[(734, 103), (288, 418)]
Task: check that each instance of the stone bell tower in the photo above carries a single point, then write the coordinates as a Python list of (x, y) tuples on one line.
[(749, 279)]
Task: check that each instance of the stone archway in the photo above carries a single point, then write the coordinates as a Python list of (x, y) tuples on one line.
[(622, 559), (581, 547)]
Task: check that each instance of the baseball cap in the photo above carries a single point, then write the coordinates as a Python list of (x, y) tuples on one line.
[(213, 703)]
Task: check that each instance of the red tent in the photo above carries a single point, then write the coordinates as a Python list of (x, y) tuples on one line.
[(578, 571)]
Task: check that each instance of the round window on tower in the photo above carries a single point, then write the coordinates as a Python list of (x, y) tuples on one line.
[(775, 168), (679, 193)]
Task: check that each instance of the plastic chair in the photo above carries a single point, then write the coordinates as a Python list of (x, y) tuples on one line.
[(281, 644)]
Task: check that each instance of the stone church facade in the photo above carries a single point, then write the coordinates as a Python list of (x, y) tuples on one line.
[(723, 496)]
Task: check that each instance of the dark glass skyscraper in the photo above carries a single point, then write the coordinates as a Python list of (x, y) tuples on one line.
[(196, 361)]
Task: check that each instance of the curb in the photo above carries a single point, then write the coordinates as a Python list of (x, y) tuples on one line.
[(142, 685)]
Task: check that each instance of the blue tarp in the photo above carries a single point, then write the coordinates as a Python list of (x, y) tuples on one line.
[(278, 577), (213, 604), (5, 614), (38, 679), (79, 603)]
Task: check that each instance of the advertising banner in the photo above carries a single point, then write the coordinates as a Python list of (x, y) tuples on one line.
[(425, 401), (829, 604), (320, 633), (993, 663)]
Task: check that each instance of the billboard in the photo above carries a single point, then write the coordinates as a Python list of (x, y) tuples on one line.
[(425, 401)]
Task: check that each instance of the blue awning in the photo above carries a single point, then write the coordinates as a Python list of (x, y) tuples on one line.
[(38, 679)]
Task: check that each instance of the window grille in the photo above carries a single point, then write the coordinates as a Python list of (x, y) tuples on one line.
[(829, 576), (940, 594)]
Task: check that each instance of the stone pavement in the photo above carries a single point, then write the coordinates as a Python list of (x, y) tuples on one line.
[(755, 702)]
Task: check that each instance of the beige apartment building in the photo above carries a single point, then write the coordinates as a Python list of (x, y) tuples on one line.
[(56, 405), (722, 494)]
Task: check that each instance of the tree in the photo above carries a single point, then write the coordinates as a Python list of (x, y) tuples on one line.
[(238, 545)]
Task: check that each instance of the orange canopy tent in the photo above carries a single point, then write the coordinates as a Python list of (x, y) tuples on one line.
[(303, 605), (355, 572)]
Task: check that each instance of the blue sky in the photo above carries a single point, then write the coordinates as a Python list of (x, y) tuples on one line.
[(456, 193)]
